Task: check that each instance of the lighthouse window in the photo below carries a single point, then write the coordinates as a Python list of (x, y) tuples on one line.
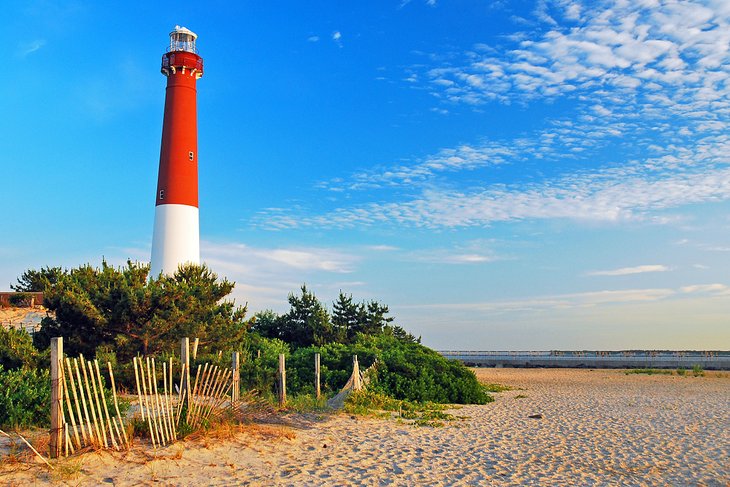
[(191, 155), (162, 194)]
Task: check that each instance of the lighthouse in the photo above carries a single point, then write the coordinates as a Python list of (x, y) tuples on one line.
[(176, 234)]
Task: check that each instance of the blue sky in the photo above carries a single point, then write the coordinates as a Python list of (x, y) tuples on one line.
[(505, 175)]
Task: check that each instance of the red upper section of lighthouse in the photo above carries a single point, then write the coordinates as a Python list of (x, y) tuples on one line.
[(177, 181)]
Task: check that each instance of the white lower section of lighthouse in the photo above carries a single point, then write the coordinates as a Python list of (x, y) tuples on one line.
[(175, 238)]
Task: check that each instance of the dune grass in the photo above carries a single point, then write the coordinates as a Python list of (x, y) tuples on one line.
[(369, 403), (493, 387)]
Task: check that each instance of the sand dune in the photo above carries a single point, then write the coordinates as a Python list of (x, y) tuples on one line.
[(597, 428)]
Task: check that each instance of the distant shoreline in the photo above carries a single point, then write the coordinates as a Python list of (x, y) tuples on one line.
[(585, 359)]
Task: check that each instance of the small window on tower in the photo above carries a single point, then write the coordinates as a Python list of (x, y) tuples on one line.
[(162, 194), (191, 155)]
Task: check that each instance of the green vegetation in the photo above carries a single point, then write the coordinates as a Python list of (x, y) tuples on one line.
[(405, 370), (309, 323), (20, 299), (120, 308), (113, 314), (698, 371), (371, 403), (496, 387), (305, 403), (25, 396), (17, 350), (649, 371)]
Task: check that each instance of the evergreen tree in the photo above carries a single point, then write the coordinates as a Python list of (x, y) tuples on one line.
[(345, 317), (120, 308), (307, 322), (375, 318), (37, 280), (266, 323)]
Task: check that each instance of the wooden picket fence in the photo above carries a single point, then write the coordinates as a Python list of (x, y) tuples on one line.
[(81, 417)]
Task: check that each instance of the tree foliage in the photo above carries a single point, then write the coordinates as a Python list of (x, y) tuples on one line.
[(121, 308), (25, 395), (38, 280), (308, 322), (17, 351)]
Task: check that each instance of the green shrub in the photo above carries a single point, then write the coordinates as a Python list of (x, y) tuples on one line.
[(17, 350), (405, 370), (697, 370), (20, 299), (261, 362), (25, 397)]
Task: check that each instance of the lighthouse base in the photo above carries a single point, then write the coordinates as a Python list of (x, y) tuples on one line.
[(175, 239)]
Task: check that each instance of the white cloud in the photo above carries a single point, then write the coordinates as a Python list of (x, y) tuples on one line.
[(610, 196), (624, 271), (337, 38), (583, 300), (451, 257), (714, 289), (382, 248), (27, 48), (624, 59), (265, 276), (562, 301), (313, 39)]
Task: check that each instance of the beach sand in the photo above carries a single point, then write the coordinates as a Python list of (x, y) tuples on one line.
[(598, 427)]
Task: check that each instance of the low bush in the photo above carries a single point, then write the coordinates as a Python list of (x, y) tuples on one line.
[(649, 371), (25, 398), (20, 299), (17, 350), (405, 371)]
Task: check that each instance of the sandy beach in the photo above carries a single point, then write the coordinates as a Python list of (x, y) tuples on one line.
[(599, 427)]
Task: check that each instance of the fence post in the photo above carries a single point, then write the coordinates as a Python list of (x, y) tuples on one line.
[(356, 382), (316, 375), (185, 366), (282, 379), (56, 394), (195, 348), (236, 387)]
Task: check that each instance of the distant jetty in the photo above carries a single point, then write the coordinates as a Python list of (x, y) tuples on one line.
[(621, 359)]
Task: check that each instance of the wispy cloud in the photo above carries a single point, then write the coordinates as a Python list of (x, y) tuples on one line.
[(337, 38), (562, 301), (586, 299), (625, 271), (27, 48), (464, 157), (312, 259), (592, 196), (711, 289), (382, 248)]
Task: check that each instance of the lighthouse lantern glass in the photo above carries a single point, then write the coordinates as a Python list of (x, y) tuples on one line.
[(182, 39)]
